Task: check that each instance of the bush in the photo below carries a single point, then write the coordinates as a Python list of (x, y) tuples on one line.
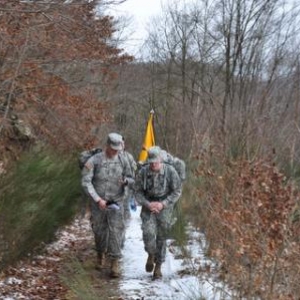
[(38, 196), (249, 211)]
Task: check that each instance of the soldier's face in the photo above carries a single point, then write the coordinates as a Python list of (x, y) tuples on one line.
[(110, 152), (156, 166)]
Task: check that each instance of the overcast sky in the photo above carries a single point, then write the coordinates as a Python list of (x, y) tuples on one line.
[(140, 11)]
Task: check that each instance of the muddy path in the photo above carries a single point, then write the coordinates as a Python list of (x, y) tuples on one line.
[(67, 270)]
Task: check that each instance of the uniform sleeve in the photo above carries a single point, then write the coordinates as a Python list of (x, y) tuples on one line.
[(175, 188), (139, 188), (128, 174), (133, 164), (87, 177)]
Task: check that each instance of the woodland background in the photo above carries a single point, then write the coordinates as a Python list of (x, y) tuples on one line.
[(223, 78)]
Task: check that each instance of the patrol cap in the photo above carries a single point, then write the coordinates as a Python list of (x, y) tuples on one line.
[(154, 154), (114, 140)]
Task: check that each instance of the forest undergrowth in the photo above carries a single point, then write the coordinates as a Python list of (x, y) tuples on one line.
[(249, 212), (38, 196)]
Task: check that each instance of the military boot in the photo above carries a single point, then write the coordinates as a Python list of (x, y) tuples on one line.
[(100, 261), (115, 270), (150, 263), (157, 271)]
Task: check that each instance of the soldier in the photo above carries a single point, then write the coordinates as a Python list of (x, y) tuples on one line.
[(158, 188), (104, 178)]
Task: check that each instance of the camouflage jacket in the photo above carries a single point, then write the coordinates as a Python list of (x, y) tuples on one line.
[(132, 162), (164, 186), (103, 176)]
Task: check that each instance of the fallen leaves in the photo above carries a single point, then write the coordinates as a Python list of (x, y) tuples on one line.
[(38, 278)]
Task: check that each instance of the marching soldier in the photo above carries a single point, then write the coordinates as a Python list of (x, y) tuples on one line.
[(158, 188)]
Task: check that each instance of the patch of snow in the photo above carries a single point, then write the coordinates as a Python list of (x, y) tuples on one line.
[(137, 284), (181, 277), (13, 280)]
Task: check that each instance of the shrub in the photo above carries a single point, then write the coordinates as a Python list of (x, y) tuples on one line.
[(251, 225), (37, 197)]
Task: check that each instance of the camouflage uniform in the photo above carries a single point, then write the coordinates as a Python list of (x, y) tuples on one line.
[(163, 186), (129, 192), (101, 177)]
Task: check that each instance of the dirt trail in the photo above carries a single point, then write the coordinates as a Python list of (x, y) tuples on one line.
[(73, 255)]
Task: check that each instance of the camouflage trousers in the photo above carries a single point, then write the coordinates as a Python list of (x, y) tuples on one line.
[(108, 227), (155, 228), (127, 212)]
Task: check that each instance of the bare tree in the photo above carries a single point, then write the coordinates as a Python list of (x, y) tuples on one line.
[(221, 62)]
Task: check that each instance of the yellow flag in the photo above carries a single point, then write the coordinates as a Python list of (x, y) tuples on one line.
[(149, 139)]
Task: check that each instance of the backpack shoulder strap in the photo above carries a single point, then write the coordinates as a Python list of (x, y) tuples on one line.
[(97, 162), (129, 162), (122, 162), (144, 171)]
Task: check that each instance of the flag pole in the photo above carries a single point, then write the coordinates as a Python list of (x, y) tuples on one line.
[(149, 139)]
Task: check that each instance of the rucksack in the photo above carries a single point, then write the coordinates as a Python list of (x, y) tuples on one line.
[(180, 167), (178, 164), (85, 155)]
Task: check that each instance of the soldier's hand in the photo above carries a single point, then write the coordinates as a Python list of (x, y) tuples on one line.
[(123, 182), (159, 206), (152, 207), (155, 207), (102, 204)]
